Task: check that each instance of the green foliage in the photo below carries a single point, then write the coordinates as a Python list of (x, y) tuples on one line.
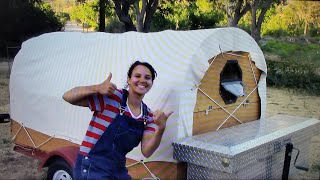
[(298, 67), (245, 23), (86, 14), (295, 75), (292, 19), (273, 24), (294, 51), (24, 19), (5, 141), (316, 167), (277, 23), (62, 5), (315, 31), (160, 22), (185, 15), (177, 14), (47, 9), (63, 17), (204, 15), (280, 48), (115, 26)]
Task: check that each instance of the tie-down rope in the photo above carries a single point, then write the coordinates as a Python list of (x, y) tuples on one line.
[(197, 86), (143, 163), (230, 114), (237, 108), (34, 145), (254, 75)]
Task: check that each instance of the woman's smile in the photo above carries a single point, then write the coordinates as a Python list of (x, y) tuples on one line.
[(141, 80)]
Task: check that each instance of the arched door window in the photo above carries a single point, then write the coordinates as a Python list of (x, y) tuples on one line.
[(231, 86)]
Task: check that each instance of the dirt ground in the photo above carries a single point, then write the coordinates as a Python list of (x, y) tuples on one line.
[(16, 166)]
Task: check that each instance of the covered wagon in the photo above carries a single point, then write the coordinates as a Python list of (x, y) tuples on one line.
[(212, 79)]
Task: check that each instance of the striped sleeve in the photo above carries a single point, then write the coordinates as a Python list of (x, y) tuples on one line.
[(105, 110), (151, 126), (96, 102)]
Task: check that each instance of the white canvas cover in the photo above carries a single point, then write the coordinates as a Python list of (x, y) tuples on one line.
[(49, 65)]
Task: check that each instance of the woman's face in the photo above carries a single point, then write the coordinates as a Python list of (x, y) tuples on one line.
[(140, 81)]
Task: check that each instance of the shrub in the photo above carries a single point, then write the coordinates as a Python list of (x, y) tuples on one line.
[(115, 26), (23, 20), (296, 75)]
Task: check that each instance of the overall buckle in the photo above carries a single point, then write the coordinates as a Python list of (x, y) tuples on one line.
[(145, 120), (122, 109)]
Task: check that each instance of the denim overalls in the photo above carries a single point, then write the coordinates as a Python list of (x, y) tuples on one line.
[(107, 158)]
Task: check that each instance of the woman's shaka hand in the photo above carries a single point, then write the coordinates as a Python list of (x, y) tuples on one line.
[(160, 118)]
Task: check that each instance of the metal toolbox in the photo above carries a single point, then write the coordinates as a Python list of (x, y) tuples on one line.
[(253, 150)]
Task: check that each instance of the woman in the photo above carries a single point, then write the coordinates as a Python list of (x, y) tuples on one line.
[(119, 123)]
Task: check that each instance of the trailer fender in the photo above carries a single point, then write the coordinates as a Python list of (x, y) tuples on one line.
[(68, 153)]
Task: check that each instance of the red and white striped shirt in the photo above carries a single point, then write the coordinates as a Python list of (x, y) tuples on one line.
[(105, 109)]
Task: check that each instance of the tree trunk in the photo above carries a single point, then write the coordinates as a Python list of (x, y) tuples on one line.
[(143, 16), (230, 17), (256, 24), (102, 15), (150, 10), (254, 9), (239, 9), (140, 15), (305, 31), (256, 34), (307, 17), (122, 11)]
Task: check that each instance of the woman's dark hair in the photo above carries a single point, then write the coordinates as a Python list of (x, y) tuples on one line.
[(153, 72)]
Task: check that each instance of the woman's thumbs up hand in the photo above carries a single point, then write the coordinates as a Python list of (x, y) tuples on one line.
[(107, 87)]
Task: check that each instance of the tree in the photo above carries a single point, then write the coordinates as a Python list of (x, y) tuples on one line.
[(235, 10), (86, 14), (22, 20), (307, 13), (259, 9), (202, 14), (143, 11), (186, 14), (296, 18), (102, 15), (256, 22)]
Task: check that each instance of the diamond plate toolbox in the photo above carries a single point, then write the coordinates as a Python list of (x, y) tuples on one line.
[(253, 150)]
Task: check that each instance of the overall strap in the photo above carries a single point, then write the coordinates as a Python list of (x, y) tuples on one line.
[(145, 113), (123, 104)]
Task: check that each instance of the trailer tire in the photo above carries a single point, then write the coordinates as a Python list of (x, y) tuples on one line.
[(59, 170)]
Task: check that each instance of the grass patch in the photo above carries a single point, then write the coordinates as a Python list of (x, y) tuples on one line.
[(3, 84), (8, 160), (301, 52), (316, 167), (6, 141)]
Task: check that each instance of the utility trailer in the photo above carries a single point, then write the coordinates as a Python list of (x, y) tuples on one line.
[(214, 80)]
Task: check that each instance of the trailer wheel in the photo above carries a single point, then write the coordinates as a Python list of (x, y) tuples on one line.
[(59, 170)]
